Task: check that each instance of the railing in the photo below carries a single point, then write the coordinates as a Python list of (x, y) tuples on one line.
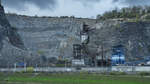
[(86, 69)]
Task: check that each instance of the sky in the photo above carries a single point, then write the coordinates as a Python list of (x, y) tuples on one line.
[(78, 8)]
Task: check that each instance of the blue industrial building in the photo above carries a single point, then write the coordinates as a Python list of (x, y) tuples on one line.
[(118, 56)]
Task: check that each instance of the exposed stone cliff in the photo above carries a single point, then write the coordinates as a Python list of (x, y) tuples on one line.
[(44, 38), (8, 34), (134, 36), (8, 31), (47, 37)]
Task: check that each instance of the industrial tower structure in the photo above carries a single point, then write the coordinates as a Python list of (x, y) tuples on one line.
[(80, 50)]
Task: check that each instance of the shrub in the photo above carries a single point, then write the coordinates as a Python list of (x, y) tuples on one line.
[(60, 65), (118, 73), (144, 73), (122, 73), (30, 69), (113, 73), (147, 17)]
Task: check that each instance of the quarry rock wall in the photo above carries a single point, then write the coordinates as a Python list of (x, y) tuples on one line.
[(47, 37), (44, 38)]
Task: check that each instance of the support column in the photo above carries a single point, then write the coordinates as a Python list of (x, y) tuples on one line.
[(15, 67)]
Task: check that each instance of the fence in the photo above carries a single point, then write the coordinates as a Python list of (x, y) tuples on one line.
[(88, 69)]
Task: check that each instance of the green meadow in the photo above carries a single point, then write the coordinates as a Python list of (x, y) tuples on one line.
[(71, 78)]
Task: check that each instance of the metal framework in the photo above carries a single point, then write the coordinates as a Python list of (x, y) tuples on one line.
[(77, 51)]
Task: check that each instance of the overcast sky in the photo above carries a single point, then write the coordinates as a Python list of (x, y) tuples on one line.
[(78, 8)]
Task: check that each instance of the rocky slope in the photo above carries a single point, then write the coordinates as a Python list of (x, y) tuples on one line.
[(134, 36), (7, 32), (47, 37)]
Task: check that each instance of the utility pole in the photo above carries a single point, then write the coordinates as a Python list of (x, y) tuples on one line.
[(15, 67), (102, 55), (25, 67)]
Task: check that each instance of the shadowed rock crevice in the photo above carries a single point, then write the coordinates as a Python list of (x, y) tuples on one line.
[(6, 31)]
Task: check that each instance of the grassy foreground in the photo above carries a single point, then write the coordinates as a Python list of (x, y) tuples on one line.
[(70, 78)]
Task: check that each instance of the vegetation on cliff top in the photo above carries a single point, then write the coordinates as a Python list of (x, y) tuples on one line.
[(136, 12)]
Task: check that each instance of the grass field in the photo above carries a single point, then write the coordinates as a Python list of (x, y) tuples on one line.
[(70, 78)]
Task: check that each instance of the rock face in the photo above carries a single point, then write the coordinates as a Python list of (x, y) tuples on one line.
[(9, 33), (47, 37), (134, 36)]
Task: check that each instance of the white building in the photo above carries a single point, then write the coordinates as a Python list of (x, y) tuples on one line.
[(148, 63), (77, 62)]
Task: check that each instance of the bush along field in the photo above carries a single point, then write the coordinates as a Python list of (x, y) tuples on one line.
[(73, 78)]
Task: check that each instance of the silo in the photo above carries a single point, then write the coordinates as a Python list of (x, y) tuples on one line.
[(118, 56)]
